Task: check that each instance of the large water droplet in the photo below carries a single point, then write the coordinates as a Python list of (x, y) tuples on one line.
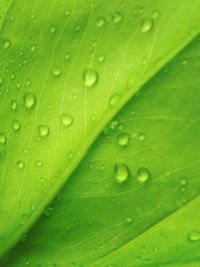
[(29, 100), (2, 138), (123, 139), (90, 77), (121, 173), (146, 25), (194, 236), (66, 119), (43, 130), (143, 175), (16, 125)]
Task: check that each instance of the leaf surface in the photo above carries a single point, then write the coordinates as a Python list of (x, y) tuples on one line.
[(144, 214)]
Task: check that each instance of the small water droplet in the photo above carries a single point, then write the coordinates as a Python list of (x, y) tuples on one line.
[(100, 22), (48, 211), (117, 17), (184, 62), (3, 138), (38, 163), (16, 125), (194, 236), (67, 12), (43, 130), (141, 136), (121, 173), (143, 175), (6, 44), (67, 56), (183, 181), (129, 220), (56, 72), (29, 100), (66, 119), (53, 29), (101, 58), (41, 179), (123, 139), (33, 48), (155, 14), (114, 99), (146, 25), (90, 77), (20, 164)]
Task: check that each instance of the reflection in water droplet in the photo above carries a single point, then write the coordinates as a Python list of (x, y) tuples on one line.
[(66, 119), (123, 139), (143, 175), (43, 130), (2, 138), (16, 125), (121, 173), (90, 77), (29, 100), (146, 25)]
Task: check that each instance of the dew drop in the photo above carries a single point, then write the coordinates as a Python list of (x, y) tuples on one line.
[(146, 25), (184, 62), (56, 72), (183, 181), (155, 14), (16, 125), (6, 44), (143, 175), (1, 80), (41, 179), (67, 56), (29, 100), (117, 17), (121, 173), (123, 139), (114, 99), (90, 77), (129, 220), (141, 136), (20, 164), (194, 236), (33, 48), (100, 22), (48, 211), (101, 58), (43, 130), (3, 138), (66, 119), (53, 29), (38, 163)]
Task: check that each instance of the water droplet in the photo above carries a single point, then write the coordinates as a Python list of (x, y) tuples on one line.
[(20, 164), (101, 58), (16, 125), (41, 179), (194, 236), (38, 163), (90, 77), (33, 48), (129, 220), (67, 57), (66, 119), (143, 175), (6, 44), (184, 62), (56, 72), (155, 14), (146, 25), (14, 105), (29, 100), (53, 29), (123, 139), (183, 181), (3, 138), (117, 17), (100, 22), (48, 211), (43, 130), (67, 12), (114, 99), (121, 173), (141, 136)]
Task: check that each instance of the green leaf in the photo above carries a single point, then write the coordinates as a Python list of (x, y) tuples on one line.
[(66, 68), (134, 199)]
